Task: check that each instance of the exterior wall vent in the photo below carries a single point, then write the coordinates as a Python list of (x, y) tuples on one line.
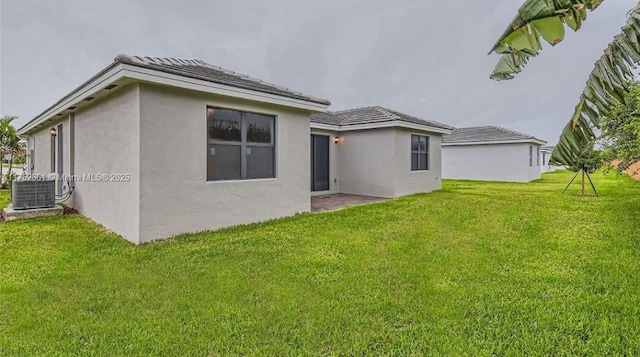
[(33, 194), (110, 87)]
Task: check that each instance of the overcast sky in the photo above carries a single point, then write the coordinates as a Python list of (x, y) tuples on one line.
[(426, 58)]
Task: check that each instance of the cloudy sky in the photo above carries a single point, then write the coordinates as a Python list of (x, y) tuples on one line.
[(426, 58)]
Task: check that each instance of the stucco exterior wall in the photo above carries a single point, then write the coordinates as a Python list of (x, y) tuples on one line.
[(494, 162), (365, 161), (377, 162), (334, 181), (544, 166), (175, 196), (408, 182), (40, 142), (42, 151), (107, 142), (534, 172)]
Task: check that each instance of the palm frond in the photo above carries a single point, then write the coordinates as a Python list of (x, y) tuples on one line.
[(536, 20), (605, 88)]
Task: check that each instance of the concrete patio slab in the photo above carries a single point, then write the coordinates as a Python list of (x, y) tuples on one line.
[(340, 200), (11, 214)]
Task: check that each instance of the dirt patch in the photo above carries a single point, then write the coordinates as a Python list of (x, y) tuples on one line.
[(633, 170), (69, 210)]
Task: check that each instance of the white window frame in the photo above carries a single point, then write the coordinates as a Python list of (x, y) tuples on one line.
[(419, 152)]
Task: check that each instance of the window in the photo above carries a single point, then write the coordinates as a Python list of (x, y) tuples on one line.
[(419, 153), (530, 155), (544, 158), (240, 145), (537, 156)]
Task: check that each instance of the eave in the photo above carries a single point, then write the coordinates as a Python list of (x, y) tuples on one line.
[(496, 142), (379, 125), (121, 74)]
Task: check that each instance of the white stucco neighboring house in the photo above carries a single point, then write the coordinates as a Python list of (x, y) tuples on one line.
[(156, 147), (491, 153), (546, 157)]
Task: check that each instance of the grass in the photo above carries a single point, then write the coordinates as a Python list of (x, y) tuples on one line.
[(475, 269)]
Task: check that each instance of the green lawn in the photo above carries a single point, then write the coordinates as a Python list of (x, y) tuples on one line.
[(475, 269)]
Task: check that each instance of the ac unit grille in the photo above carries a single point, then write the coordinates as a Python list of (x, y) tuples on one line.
[(33, 194)]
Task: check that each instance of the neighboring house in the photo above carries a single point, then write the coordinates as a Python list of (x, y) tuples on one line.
[(375, 151), (546, 157), (491, 153), (158, 147)]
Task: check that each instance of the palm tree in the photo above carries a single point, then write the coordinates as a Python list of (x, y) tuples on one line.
[(9, 141), (607, 84)]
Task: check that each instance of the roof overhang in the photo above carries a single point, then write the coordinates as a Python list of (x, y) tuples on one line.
[(379, 125), (121, 73), (497, 142)]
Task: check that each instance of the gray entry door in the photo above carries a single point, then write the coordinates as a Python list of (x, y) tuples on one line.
[(319, 163)]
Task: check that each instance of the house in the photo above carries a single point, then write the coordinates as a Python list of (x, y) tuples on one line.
[(375, 151), (546, 157), (155, 147), (491, 153)]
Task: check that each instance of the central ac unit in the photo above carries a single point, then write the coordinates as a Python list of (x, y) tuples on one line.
[(30, 194)]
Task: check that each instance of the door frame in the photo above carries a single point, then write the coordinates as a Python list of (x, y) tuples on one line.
[(313, 162)]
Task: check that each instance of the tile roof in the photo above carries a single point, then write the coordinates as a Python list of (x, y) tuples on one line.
[(486, 134), (201, 70), (371, 115)]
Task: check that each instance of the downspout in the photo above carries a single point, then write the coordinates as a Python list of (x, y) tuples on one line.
[(72, 147)]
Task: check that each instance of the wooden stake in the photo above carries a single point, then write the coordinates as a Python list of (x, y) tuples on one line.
[(570, 182), (592, 185)]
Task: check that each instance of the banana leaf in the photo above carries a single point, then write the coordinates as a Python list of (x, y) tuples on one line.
[(537, 19), (608, 82), (605, 88)]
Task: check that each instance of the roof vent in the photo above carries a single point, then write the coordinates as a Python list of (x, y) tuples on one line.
[(72, 108), (110, 87), (88, 99)]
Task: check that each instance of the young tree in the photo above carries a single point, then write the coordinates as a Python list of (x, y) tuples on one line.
[(621, 130), (9, 141), (586, 161)]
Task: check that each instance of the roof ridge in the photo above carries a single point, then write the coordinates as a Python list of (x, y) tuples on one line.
[(499, 128), (253, 79), (186, 63), (378, 114), (197, 62), (159, 60), (387, 112), (488, 133), (429, 121), (354, 109), (513, 131)]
